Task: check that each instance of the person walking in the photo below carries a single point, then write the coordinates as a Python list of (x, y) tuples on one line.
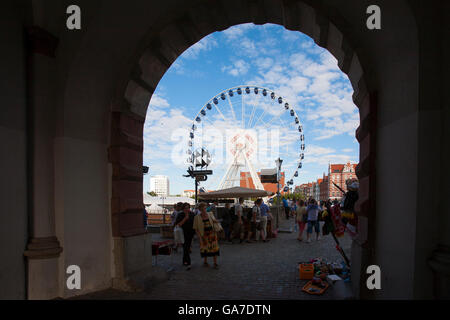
[(286, 208), (213, 208), (145, 219), (238, 230), (226, 222), (204, 227), (185, 220), (265, 214), (301, 218), (292, 206), (176, 209), (320, 217), (312, 211), (255, 222)]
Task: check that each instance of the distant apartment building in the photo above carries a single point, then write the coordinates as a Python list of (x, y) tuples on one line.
[(247, 182), (324, 188), (317, 189), (338, 174), (160, 185), (306, 189)]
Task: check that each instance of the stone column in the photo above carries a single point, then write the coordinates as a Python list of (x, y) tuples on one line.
[(363, 245), (440, 261), (132, 244), (43, 247)]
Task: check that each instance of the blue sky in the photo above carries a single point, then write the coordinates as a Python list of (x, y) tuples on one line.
[(287, 62)]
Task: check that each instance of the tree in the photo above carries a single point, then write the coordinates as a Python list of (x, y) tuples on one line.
[(152, 193)]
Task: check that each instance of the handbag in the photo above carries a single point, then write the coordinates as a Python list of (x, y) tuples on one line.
[(178, 235), (217, 226)]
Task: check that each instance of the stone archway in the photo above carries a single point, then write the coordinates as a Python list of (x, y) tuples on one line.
[(173, 35)]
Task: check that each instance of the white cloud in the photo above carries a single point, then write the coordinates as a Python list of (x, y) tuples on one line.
[(161, 123), (235, 32), (314, 150), (158, 102), (264, 63), (238, 68), (205, 44), (324, 160), (299, 84)]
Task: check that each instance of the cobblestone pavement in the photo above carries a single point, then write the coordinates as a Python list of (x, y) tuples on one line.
[(247, 271)]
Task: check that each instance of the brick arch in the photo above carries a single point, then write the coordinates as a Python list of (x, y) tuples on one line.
[(171, 37)]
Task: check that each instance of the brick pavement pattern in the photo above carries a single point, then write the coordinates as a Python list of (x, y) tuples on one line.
[(246, 271)]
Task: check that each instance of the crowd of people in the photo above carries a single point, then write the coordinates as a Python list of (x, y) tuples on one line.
[(205, 222), (314, 216)]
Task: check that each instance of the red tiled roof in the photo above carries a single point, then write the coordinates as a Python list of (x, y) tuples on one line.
[(247, 182), (338, 167)]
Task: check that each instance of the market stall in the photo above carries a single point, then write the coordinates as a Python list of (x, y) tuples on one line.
[(235, 193)]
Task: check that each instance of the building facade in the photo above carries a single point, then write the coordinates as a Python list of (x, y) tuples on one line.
[(317, 189), (325, 188), (188, 193), (338, 174), (324, 195), (160, 185)]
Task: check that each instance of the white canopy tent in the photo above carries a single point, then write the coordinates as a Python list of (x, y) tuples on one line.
[(154, 208), (166, 201), (234, 192)]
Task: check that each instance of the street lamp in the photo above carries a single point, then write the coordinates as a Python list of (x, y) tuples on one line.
[(278, 162), (164, 210), (144, 172)]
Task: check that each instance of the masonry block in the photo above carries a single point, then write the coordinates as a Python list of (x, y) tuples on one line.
[(125, 156), (127, 188), (334, 42), (131, 223)]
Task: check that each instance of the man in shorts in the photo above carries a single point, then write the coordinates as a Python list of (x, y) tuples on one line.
[(255, 222), (265, 214), (313, 222), (238, 227)]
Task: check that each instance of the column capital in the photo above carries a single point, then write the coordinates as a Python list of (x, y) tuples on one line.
[(440, 264), (43, 248)]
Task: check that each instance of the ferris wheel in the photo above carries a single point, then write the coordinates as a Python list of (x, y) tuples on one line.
[(242, 130)]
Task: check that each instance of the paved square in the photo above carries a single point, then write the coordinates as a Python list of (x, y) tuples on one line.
[(247, 271)]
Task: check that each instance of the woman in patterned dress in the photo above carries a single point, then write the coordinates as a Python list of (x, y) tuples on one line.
[(209, 242)]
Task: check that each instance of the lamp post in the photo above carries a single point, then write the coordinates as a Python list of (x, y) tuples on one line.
[(144, 172), (278, 163), (164, 210)]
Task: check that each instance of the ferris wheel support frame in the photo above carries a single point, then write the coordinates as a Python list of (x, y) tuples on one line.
[(233, 171), (229, 175)]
